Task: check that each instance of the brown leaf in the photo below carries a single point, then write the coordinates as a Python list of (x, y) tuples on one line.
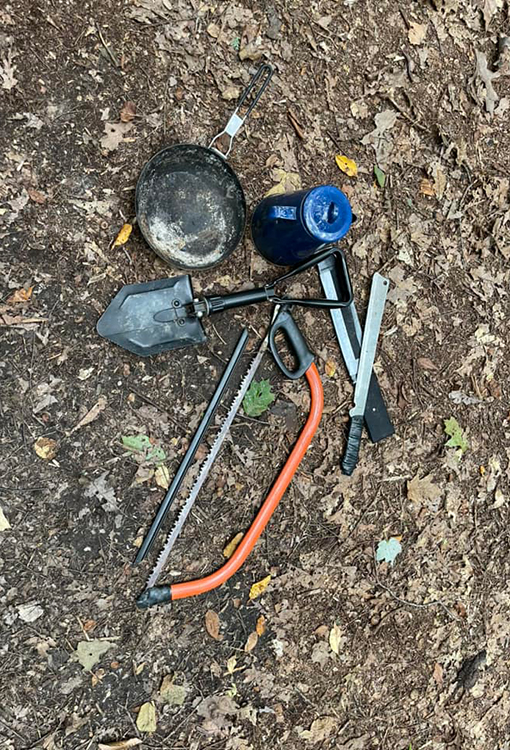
[(36, 195), (91, 415), (420, 490), (114, 134), (121, 745), (20, 296), (438, 673), (251, 642), (426, 364), (128, 112), (261, 625), (46, 448), (427, 188), (212, 625)]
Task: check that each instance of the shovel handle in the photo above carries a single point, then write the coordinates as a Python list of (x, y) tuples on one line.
[(351, 454)]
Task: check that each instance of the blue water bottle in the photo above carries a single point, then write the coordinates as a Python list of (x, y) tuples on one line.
[(289, 228)]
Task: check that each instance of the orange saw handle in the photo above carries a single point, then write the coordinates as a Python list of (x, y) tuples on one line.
[(161, 594)]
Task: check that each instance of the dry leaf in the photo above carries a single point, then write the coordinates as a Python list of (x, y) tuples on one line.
[(426, 364), (251, 642), (46, 448), (346, 165), (128, 112), (287, 182), (320, 730), (422, 490), (232, 545), (91, 415), (123, 235), (213, 30), (114, 134), (499, 500), (4, 523), (212, 624), (261, 625), (20, 296), (417, 32), (162, 477), (335, 636), (231, 665), (146, 719), (230, 92), (438, 673), (88, 653), (258, 588), (330, 368), (173, 694), (487, 76), (36, 196), (427, 188), (121, 745), (7, 71)]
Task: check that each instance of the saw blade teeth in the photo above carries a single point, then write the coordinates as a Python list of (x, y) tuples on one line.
[(204, 469)]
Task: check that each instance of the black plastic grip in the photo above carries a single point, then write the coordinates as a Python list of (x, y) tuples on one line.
[(351, 452), (153, 596), (285, 323)]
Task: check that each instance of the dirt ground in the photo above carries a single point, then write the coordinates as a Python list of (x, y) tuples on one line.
[(340, 650)]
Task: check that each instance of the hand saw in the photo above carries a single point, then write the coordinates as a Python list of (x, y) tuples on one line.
[(282, 323)]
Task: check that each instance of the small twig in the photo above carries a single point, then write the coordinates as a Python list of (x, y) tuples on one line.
[(404, 114), (106, 46), (407, 603), (217, 334)]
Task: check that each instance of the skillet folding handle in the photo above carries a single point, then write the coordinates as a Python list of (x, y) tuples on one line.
[(285, 323), (265, 72)]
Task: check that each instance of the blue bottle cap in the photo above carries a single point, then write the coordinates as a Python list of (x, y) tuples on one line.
[(327, 213)]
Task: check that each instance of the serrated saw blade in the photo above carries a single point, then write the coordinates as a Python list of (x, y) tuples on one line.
[(206, 466)]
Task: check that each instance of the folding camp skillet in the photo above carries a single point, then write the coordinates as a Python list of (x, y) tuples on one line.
[(304, 358)]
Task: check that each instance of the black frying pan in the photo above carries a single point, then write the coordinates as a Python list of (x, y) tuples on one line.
[(190, 205)]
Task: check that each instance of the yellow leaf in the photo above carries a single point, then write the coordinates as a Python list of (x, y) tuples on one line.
[(231, 665), (251, 642), (162, 477), (123, 235), (232, 545), (4, 523), (20, 296), (427, 188), (146, 719), (46, 448), (261, 625), (258, 588), (330, 368), (347, 165), (212, 624), (335, 636)]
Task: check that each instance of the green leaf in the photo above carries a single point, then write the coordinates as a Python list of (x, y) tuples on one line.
[(146, 719), (380, 176), (141, 444), (387, 551), (258, 398), (236, 43), (457, 437), (138, 443)]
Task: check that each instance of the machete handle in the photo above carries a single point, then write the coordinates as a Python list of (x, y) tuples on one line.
[(285, 323), (351, 453)]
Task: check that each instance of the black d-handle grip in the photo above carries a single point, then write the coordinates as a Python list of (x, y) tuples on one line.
[(295, 340)]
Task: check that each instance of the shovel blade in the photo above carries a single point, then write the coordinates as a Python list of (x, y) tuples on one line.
[(151, 318)]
